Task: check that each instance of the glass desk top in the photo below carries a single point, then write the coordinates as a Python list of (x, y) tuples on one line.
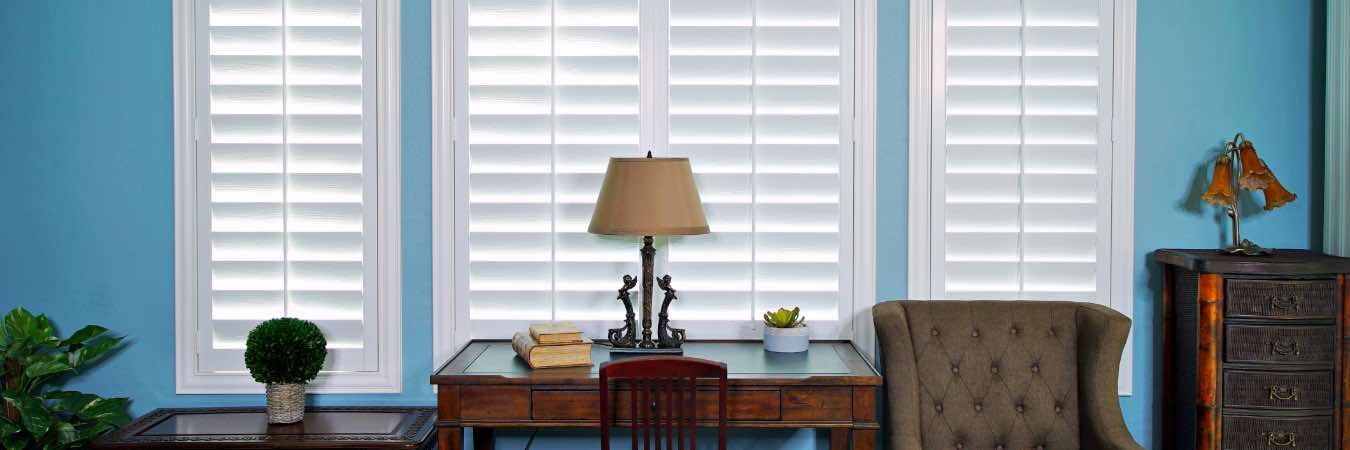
[(746, 359)]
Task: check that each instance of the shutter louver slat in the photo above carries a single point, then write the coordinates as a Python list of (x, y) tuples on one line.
[(291, 203), (1021, 126)]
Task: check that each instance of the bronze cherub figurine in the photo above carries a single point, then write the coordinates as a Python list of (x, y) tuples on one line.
[(667, 336), (625, 336)]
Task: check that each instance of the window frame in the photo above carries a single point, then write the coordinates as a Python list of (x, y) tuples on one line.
[(924, 40), (452, 329), (188, 207)]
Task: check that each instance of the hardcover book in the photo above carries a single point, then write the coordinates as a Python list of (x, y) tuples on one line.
[(547, 356), (556, 333)]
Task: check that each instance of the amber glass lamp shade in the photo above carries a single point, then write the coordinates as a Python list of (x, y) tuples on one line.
[(1276, 194), (1221, 187), (648, 197), (1255, 175)]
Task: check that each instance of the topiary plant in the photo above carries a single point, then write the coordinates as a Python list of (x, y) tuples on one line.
[(285, 351), (38, 414), (784, 318)]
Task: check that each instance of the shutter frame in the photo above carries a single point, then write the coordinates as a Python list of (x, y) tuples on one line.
[(380, 363)]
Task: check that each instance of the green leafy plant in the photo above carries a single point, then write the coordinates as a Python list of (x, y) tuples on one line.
[(783, 318), (38, 415), (285, 351)]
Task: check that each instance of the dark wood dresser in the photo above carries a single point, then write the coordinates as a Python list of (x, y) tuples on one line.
[(1254, 350)]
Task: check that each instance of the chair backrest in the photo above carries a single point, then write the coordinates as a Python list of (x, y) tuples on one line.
[(662, 400), (991, 374)]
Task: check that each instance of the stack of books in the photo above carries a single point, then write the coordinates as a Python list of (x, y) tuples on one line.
[(552, 345)]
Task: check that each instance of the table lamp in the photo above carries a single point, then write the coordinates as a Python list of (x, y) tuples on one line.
[(648, 197)]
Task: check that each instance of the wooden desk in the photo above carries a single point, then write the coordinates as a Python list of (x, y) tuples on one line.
[(829, 387)]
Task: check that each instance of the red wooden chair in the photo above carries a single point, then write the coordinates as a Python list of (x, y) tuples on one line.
[(662, 399)]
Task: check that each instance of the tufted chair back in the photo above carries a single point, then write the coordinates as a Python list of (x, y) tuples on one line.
[(1002, 374)]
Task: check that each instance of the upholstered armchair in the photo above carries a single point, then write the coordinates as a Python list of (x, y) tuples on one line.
[(1002, 375)]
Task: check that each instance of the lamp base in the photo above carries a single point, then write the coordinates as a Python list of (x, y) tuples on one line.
[(646, 351), (1247, 248)]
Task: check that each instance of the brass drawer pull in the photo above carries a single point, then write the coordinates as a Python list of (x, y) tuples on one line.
[(1282, 392), (1286, 303), (1281, 438), (1284, 347)]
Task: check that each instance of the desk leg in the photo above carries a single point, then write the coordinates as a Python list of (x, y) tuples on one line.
[(483, 438), (450, 438), (864, 439), (838, 438)]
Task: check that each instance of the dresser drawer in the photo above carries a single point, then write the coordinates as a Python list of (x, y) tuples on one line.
[(1276, 344), (1282, 299), (1278, 390), (1270, 433)]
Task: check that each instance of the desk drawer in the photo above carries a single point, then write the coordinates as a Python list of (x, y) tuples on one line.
[(1270, 433), (1277, 390), (1276, 344), (585, 405), (1282, 299), (817, 403)]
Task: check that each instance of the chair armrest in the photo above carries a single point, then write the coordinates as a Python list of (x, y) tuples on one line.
[(901, 376), (1101, 338)]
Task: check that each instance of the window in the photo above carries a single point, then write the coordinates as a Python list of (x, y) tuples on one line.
[(287, 185), (1022, 159), (758, 94)]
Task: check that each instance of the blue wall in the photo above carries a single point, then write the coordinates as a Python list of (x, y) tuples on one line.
[(86, 172)]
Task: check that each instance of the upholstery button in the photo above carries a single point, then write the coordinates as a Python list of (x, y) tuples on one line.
[(1021, 408), (934, 332), (956, 368), (974, 333), (998, 447), (1059, 407), (1040, 447), (993, 368), (1015, 331), (1052, 331), (938, 407), (960, 445), (978, 407), (1035, 368)]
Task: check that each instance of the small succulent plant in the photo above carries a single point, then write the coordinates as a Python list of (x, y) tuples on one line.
[(784, 318)]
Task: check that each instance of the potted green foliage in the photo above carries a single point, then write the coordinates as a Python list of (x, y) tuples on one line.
[(284, 354), (38, 414), (785, 331)]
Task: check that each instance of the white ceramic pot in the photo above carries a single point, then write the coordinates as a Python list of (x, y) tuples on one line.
[(285, 403), (787, 340)]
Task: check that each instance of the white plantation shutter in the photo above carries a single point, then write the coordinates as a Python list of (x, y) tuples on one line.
[(286, 145), (1022, 154), (752, 91), (552, 92), (756, 102)]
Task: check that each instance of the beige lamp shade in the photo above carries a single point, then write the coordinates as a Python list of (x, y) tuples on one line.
[(648, 197)]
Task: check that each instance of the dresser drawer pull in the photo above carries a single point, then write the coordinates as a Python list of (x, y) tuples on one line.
[(1286, 303), (1282, 392), (1284, 347), (1281, 438)]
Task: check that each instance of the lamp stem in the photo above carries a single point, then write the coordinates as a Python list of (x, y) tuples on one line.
[(648, 278)]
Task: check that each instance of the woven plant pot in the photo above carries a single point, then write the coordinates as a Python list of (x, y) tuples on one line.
[(285, 403)]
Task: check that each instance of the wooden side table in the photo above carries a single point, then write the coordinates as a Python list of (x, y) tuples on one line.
[(333, 428), (829, 387)]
